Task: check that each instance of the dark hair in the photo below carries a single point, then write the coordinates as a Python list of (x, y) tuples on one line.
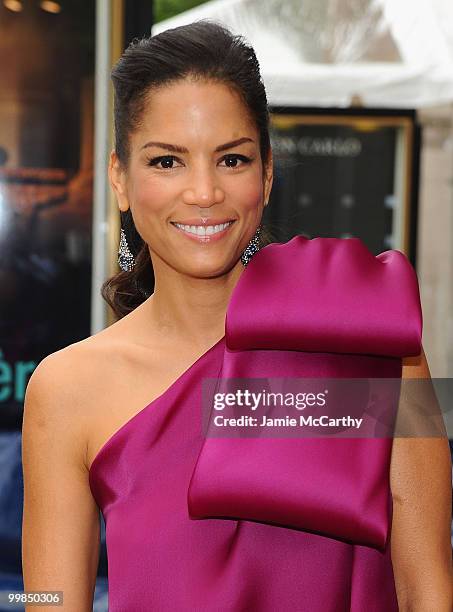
[(200, 50)]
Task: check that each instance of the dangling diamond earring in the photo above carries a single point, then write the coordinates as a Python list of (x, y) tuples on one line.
[(125, 257), (252, 247)]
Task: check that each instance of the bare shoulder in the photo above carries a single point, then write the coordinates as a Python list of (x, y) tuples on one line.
[(68, 372), (65, 388), (89, 389)]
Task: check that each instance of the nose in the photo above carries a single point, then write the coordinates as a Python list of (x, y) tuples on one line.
[(204, 189)]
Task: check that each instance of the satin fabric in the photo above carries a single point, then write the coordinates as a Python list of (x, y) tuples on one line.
[(162, 558), (338, 297), (326, 294)]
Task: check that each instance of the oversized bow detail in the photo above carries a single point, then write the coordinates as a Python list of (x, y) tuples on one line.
[(325, 307)]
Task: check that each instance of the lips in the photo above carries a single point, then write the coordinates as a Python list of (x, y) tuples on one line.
[(203, 220), (206, 232), (203, 230)]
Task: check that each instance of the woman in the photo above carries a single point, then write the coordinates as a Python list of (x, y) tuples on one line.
[(113, 422)]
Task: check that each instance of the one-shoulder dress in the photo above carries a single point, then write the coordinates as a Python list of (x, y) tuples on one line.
[(205, 524)]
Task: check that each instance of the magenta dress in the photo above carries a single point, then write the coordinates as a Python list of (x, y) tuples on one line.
[(215, 525)]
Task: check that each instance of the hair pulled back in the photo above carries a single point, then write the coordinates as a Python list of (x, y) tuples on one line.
[(202, 50)]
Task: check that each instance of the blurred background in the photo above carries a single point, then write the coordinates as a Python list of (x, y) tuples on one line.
[(361, 99)]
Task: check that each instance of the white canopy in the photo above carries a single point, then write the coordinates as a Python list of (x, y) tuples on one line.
[(389, 53)]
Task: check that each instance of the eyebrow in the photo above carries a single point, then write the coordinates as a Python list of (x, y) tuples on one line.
[(178, 149)]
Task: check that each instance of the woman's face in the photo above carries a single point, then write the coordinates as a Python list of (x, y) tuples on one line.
[(195, 182)]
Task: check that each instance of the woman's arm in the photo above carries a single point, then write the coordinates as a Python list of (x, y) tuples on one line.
[(60, 529), (420, 479)]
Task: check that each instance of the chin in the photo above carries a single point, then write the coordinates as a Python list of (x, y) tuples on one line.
[(210, 269)]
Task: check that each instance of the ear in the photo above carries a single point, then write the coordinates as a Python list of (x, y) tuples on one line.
[(117, 178), (268, 177)]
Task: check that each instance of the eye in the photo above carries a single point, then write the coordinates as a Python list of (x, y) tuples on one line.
[(166, 160), (234, 157)]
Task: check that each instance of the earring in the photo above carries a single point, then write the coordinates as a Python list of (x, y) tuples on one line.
[(125, 257), (252, 247)]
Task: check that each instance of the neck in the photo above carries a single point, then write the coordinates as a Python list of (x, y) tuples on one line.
[(191, 309)]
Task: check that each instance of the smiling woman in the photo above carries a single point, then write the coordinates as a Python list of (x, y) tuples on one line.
[(194, 142), (114, 422), (214, 180)]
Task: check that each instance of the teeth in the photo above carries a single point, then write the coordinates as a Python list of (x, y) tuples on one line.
[(203, 230)]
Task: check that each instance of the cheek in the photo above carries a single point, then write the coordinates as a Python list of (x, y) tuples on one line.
[(150, 199), (247, 190), (249, 193), (148, 203)]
